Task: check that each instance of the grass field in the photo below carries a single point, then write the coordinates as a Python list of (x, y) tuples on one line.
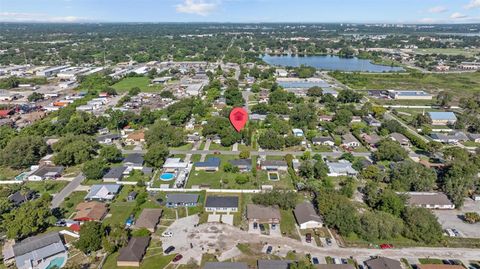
[(68, 206), (151, 260), (461, 84), (448, 51), (287, 224), (143, 83), (7, 173)]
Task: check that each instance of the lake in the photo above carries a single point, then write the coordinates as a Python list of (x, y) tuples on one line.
[(330, 62)]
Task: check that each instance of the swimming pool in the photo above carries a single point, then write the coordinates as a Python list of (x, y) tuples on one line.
[(56, 263), (167, 176)]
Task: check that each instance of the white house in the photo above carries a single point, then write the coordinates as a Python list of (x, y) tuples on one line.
[(430, 200)]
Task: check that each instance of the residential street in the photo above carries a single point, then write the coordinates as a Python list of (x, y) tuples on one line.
[(65, 192)]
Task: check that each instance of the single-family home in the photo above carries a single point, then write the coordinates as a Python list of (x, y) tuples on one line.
[(306, 216), (371, 139), (174, 164), (114, 174), (225, 265), (263, 214), (90, 211), (175, 200), (107, 139), (341, 168), (221, 204), (148, 219), (350, 141), (298, 132), (243, 165), (474, 137), (46, 172), (383, 263), (47, 160), (274, 264), (371, 121), (326, 118), (132, 254), (442, 118), (135, 138), (274, 165), (400, 138), (451, 138), (131, 196), (323, 141), (430, 200), (19, 197), (103, 192), (134, 161), (212, 164), (39, 251)]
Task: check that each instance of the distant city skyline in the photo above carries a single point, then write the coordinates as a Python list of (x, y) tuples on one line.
[(328, 11)]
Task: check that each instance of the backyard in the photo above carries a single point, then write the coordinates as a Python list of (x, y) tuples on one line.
[(143, 83)]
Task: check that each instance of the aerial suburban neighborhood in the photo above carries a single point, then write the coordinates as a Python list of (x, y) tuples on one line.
[(239, 145)]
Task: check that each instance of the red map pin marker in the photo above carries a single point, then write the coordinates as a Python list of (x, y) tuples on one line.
[(238, 118)]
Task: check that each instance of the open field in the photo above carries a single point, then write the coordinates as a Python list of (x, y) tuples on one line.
[(461, 84), (143, 83), (449, 51)]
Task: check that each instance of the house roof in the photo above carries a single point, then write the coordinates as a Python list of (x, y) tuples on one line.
[(48, 170), (177, 198), (383, 263), (225, 265), (474, 136), (135, 158), (37, 248), (322, 139), (276, 163), (400, 138), (90, 211), (18, 198), (262, 212), (335, 266), (428, 198), (349, 138), (222, 201), (107, 136), (241, 162), (371, 138), (442, 115), (305, 212), (149, 218), (115, 172), (274, 264), (210, 162), (136, 136), (460, 136), (341, 167), (135, 249), (103, 191)]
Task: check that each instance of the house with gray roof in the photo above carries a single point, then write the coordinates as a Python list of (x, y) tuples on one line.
[(474, 137), (114, 174), (274, 264), (39, 251), (350, 141), (263, 214), (430, 200), (244, 165), (341, 168), (274, 165), (383, 263), (175, 200), (307, 217), (225, 265), (221, 204), (17, 198), (212, 164), (107, 139), (400, 138), (451, 138), (323, 141), (46, 172), (134, 161), (132, 254), (103, 192)]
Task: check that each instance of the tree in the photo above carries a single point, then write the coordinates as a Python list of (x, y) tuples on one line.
[(338, 212), (458, 180), (306, 169), (242, 179), (320, 169), (134, 91), (23, 151), (35, 96), (156, 155), (284, 199), (390, 150), (110, 154), (271, 140), (349, 96), (315, 91), (90, 239), (116, 237), (162, 132), (422, 225), (74, 149), (378, 225), (411, 176), (391, 202), (244, 154), (444, 98), (94, 169), (230, 168), (373, 173), (472, 217)]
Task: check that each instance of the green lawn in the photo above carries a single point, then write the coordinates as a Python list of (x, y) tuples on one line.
[(462, 84), (48, 186), (214, 146), (151, 261), (68, 206), (143, 83), (287, 224), (187, 146), (7, 173), (119, 211), (430, 261), (448, 51)]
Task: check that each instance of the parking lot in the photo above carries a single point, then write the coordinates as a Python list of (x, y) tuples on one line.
[(451, 219)]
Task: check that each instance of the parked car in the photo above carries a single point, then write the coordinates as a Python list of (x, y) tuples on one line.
[(262, 227), (446, 262), (169, 249), (344, 261), (337, 261), (255, 225), (177, 258), (167, 234), (315, 260), (386, 246), (457, 233), (360, 266), (329, 241), (269, 249), (274, 226), (450, 232), (308, 238)]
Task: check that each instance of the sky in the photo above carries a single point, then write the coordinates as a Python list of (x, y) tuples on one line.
[(354, 11)]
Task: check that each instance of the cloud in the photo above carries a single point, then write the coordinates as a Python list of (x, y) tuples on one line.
[(198, 7), (38, 17), (458, 15), (473, 4), (438, 9)]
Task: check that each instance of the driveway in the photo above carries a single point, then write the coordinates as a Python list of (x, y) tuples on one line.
[(450, 219), (65, 192)]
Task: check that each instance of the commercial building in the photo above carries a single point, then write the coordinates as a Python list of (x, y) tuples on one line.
[(410, 95), (430, 200), (442, 118)]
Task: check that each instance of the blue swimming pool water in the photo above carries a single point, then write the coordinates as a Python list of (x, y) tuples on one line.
[(56, 263), (167, 176)]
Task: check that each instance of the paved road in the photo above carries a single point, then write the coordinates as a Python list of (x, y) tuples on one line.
[(65, 192), (389, 116)]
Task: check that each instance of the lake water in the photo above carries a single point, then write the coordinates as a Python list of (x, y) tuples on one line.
[(330, 62)]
